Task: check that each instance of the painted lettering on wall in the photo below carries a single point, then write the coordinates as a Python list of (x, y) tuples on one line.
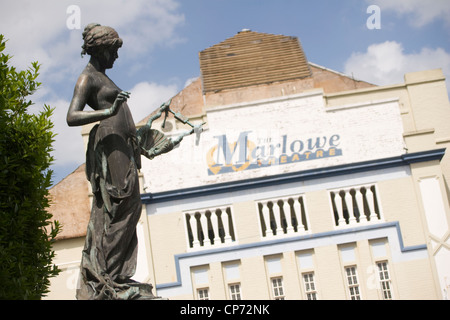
[(245, 154)]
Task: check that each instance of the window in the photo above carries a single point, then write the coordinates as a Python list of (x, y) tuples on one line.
[(352, 283), (235, 291), (274, 272), (305, 260), (277, 287), (310, 287), (385, 280), (232, 279), (200, 282), (203, 294)]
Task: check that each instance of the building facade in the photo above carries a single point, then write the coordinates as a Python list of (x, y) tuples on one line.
[(304, 184)]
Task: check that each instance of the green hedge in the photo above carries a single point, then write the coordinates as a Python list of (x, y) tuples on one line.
[(26, 235)]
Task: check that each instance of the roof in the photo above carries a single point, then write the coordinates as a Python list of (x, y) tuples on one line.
[(251, 58)]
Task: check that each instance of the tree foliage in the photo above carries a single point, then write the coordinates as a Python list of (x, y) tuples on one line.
[(26, 233)]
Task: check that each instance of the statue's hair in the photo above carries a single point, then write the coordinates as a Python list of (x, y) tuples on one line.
[(97, 37)]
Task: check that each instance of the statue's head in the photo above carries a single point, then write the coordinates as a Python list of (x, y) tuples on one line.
[(101, 42)]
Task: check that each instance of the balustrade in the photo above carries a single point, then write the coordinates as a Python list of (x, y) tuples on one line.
[(283, 216), (355, 205), (210, 227)]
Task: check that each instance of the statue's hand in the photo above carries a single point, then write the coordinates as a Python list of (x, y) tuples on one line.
[(165, 106), (121, 98)]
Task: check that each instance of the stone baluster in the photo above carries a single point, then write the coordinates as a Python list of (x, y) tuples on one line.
[(215, 226), (370, 197), (360, 204), (287, 214), (226, 226), (277, 216), (194, 228), (349, 203), (266, 216), (298, 215), (338, 204), (204, 228)]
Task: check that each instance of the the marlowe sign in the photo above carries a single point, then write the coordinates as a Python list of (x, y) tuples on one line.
[(245, 154), (279, 135)]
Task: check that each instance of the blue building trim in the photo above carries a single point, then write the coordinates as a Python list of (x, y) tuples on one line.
[(405, 159), (394, 224)]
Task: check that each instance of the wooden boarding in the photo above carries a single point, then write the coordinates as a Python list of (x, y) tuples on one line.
[(252, 58)]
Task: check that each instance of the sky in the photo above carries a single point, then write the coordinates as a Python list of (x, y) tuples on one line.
[(377, 41)]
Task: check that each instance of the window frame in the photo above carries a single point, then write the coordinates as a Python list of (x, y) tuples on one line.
[(382, 282), (277, 286), (355, 284), (233, 295), (311, 279), (200, 290)]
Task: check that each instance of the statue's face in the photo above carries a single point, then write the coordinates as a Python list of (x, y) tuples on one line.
[(108, 56)]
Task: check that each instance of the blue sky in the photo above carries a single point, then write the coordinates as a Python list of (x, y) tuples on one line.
[(162, 39)]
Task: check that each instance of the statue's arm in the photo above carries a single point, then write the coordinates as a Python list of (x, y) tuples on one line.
[(177, 140), (76, 116)]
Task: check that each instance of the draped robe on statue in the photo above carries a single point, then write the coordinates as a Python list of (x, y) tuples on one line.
[(109, 256)]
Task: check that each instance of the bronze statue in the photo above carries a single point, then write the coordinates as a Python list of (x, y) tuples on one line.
[(109, 256)]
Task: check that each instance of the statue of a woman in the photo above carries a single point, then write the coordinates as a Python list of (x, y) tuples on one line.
[(109, 256)]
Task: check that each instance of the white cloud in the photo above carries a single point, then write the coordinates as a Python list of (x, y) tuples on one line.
[(147, 97), (386, 63), (29, 29), (421, 12), (68, 146), (142, 24)]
